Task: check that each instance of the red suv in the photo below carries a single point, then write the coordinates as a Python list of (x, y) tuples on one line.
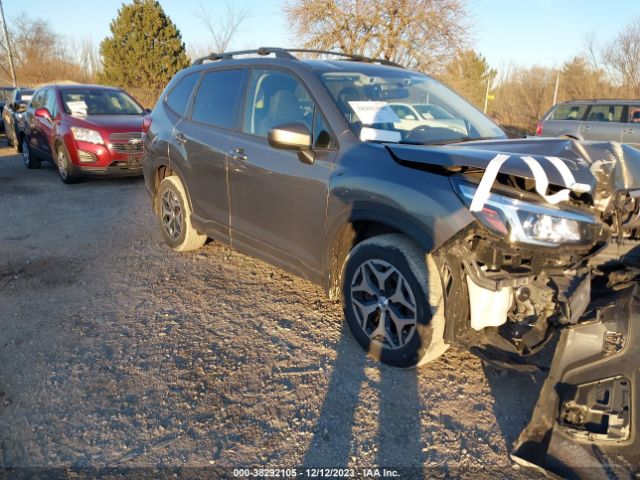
[(84, 129)]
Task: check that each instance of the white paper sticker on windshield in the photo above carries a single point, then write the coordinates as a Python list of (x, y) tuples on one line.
[(370, 112), (26, 98), (78, 108), (377, 135)]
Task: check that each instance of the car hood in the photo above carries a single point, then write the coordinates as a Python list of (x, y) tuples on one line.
[(608, 168), (110, 122)]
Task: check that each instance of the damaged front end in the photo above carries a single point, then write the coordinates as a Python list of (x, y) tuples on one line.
[(586, 421), (543, 208)]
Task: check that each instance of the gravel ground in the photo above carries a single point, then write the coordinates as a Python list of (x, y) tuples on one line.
[(117, 352)]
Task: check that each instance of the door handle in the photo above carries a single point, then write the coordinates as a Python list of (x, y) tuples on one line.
[(238, 154), (629, 130), (181, 138), (586, 127)]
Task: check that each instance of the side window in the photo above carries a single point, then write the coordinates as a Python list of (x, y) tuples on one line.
[(218, 98), (178, 97), (38, 99), (403, 112), (274, 98), (605, 113), (634, 114), (52, 104), (568, 112)]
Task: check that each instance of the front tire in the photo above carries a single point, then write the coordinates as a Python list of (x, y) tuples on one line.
[(28, 158), (66, 169), (175, 216), (393, 302)]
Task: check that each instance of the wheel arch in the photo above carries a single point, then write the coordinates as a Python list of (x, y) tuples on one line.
[(351, 229), (162, 171)]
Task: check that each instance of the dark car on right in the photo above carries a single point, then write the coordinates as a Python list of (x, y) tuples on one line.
[(13, 116)]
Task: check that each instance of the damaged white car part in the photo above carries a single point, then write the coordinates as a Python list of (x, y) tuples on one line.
[(540, 178)]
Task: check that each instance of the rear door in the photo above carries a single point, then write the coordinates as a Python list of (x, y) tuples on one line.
[(603, 122), (563, 120), (205, 138), (278, 203), (631, 129)]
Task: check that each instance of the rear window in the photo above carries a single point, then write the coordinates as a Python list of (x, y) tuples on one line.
[(178, 98), (567, 112), (605, 113)]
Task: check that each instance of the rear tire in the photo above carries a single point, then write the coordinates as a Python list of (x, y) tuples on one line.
[(174, 214), (28, 158), (389, 279)]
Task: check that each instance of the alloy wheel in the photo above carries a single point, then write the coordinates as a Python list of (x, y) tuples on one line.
[(62, 164), (172, 218), (25, 152), (384, 304)]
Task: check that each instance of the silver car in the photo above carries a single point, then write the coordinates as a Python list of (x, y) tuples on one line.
[(613, 120)]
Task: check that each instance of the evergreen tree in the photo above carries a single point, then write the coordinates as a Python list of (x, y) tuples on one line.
[(467, 73), (145, 49)]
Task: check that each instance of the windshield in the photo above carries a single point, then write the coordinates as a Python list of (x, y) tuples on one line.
[(394, 105), (99, 102)]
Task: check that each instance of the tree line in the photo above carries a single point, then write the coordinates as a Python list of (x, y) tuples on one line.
[(145, 49)]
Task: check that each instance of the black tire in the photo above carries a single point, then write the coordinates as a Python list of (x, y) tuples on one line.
[(29, 159), (174, 215), (67, 171), (413, 279)]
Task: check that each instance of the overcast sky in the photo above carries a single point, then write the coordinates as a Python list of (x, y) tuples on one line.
[(524, 32)]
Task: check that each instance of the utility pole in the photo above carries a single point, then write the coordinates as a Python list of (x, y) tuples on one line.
[(486, 94), (6, 39), (555, 92)]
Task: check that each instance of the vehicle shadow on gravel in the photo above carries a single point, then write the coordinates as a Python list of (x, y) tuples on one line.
[(399, 434)]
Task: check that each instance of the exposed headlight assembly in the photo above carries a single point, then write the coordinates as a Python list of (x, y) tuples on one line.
[(86, 135), (529, 222)]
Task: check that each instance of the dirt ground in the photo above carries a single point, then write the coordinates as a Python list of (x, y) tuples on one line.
[(117, 352)]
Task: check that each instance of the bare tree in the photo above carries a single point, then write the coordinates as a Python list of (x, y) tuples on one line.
[(622, 58), (415, 33), (224, 26)]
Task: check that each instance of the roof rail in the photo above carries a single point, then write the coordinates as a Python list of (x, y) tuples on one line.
[(287, 53)]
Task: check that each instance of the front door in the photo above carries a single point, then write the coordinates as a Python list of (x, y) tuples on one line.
[(278, 202)]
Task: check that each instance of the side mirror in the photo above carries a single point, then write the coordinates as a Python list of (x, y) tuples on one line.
[(292, 136), (20, 107), (42, 113)]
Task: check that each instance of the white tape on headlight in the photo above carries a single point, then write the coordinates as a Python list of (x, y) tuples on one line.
[(539, 175)]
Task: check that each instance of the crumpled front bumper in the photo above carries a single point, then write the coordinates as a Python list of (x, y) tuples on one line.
[(586, 423)]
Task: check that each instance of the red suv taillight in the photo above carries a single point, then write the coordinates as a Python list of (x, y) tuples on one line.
[(146, 123), (539, 129)]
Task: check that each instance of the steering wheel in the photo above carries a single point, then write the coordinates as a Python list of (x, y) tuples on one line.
[(416, 131)]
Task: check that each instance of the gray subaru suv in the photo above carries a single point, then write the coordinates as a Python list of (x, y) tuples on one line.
[(612, 120), (432, 231)]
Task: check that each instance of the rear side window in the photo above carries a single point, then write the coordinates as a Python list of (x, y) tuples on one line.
[(179, 96), (567, 112), (218, 98), (605, 113)]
